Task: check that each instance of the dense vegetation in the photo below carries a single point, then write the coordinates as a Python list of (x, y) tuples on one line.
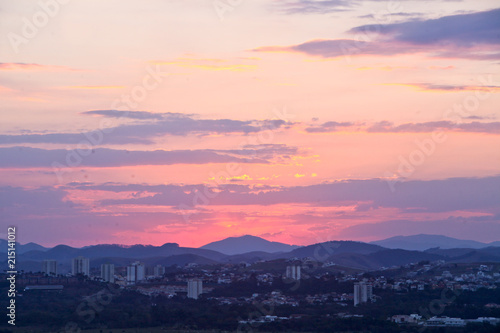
[(97, 305)]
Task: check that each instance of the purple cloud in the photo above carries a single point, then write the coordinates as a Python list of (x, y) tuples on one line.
[(329, 126), (423, 196), (464, 30), (156, 125), (470, 36), (431, 126), (26, 157)]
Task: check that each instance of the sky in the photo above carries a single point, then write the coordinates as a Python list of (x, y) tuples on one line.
[(299, 121)]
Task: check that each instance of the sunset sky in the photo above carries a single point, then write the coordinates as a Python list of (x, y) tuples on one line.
[(299, 121)]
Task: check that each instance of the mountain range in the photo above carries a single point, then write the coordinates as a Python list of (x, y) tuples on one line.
[(394, 251), (423, 242)]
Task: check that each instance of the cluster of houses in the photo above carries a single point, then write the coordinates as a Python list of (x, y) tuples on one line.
[(416, 319)]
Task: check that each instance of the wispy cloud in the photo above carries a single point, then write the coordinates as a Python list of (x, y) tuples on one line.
[(431, 126), (313, 6), (329, 126), (26, 157), (446, 195), (447, 87), (20, 66), (136, 114), (327, 6), (423, 127), (93, 87), (156, 125)]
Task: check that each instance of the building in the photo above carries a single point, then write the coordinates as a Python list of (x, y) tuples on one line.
[(362, 292), (108, 273), (405, 319), (49, 267), (159, 271), (445, 321), (80, 265), (293, 272), (136, 272), (195, 288)]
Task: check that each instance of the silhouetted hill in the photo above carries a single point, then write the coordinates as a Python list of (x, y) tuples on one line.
[(383, 258), (20, 249), (423, 242), (64, 252), (488, 254), (449, 253), (354, 260), (322, 251), (250, 257), (247, 243), (397, 257), (350, 254)]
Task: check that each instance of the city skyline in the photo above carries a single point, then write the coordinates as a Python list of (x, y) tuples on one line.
[(295, 121)]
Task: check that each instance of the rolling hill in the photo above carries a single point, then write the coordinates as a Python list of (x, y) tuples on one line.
[(423, 242), (245, 244)]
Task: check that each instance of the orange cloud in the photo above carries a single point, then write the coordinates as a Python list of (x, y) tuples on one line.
[(19, 66), (445, 87), (94, 87)]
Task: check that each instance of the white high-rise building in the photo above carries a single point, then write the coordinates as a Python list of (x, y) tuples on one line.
[(108, 273), (195, 288), (49, 267), (80, 265), (136, 272), (159, 271), (293, 272), (362, 292)]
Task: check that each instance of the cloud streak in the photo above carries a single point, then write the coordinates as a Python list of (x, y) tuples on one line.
[(424, 127), (26, 157), (431, 126), (440, 195), (157, 125), (329, 126), (448, 87), (21, 66)]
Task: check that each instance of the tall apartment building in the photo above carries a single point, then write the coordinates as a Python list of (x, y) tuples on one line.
[(194, 288), (108, 273), (158, 271), (136, 272), (363, 291), (293, 272), (49, 267), (80, 265)]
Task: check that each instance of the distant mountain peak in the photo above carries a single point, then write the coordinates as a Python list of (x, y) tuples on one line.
[(247, 243), (423, 242)]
